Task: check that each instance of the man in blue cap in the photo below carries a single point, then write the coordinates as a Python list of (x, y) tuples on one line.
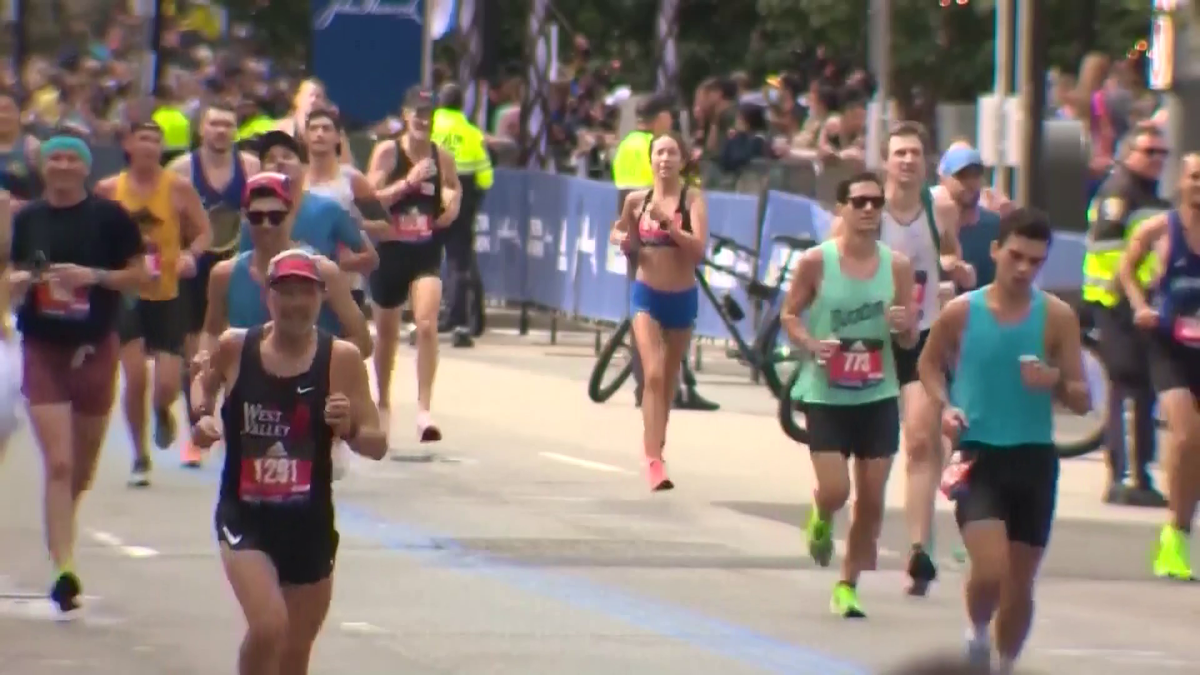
[(960, 183)]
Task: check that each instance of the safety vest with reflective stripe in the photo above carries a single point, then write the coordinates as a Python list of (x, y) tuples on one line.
[(454, 132), (1103, 257)]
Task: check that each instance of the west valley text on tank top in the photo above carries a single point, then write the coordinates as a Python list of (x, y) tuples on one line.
[(915, 240)]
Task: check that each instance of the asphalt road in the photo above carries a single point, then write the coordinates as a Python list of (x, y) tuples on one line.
[(530, 546)]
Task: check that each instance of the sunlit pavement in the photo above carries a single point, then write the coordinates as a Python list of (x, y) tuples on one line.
[(530, 546)]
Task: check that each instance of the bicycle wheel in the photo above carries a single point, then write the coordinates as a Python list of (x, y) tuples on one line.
[(613, 366), (788, 410), (1085, 433), (777, 360)]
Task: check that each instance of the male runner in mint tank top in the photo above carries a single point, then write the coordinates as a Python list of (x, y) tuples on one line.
[(1014, 350), (859, 296)]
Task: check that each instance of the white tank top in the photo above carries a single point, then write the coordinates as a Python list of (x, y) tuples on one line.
[(916, 241), (341, 191)]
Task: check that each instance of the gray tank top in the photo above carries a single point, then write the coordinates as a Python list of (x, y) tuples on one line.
[(341, 191)]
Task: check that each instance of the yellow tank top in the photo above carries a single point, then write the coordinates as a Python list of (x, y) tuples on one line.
[(158, 218)]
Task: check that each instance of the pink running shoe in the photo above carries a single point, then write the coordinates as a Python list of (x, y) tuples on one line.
[(426, 429), (656, 471)]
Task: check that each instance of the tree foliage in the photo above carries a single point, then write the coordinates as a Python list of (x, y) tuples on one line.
[(948, 51)]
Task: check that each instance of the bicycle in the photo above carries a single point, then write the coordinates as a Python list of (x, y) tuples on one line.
[(766, 356)]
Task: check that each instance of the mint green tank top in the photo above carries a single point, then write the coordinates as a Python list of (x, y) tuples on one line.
[(853, 311)]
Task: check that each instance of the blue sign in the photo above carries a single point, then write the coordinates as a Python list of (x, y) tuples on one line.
[(367, 53)]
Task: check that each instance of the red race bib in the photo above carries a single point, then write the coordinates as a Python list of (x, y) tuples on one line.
[(858, 364), (1187, 331), (153, 261), (54, 300), (274, 478), (413, 227)]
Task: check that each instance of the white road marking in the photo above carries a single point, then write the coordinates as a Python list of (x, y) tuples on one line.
[(112, 541), (362, 627), (584, 463)]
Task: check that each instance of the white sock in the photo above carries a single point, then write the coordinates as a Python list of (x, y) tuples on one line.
[(1004, 665), (978, 633)]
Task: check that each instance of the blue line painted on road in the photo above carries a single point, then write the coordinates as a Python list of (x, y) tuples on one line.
[(769, 654)]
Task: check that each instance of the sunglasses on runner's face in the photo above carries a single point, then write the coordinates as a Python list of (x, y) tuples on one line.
[(861, 203), (257, 218)]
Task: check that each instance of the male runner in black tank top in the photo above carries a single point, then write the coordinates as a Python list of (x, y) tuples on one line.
[(291, 390), (418, 183)]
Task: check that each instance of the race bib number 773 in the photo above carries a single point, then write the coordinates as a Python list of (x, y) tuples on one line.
[(858, 364)]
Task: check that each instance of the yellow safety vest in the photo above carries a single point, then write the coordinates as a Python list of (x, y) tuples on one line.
[(454, 132), (255, 126), (631, 164), (1103, 258), (176, 128)]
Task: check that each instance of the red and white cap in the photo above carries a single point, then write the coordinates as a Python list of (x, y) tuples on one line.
[(294, 263), (268, 184)]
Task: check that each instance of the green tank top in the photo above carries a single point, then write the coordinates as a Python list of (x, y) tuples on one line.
[(855, 312)]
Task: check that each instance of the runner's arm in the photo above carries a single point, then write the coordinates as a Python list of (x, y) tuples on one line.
[(250, 163), (341, 301), (947, 216), (348, 376), (374, 222), (451, 187), (197, 231), (381, 165), (800, 295), (216, 317), (221, 368), (182, 166), (1067, 355), (693, 243), (622, 225), (106, 187), (903, 281), (942, 342), (1141, 243)]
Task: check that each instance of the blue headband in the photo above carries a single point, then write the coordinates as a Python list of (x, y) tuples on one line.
[(67, 144)]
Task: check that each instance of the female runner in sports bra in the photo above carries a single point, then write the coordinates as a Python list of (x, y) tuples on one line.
[(666, 228)]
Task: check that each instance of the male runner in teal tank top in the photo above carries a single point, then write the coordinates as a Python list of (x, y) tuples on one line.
[(1014, 349), (858, 295)]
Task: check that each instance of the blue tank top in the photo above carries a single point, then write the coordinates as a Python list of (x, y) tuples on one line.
[(246, 302), (1178, 290), (231, 196), (1000, 409)]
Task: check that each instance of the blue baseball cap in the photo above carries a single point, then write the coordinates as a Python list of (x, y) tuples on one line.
[(959, 158)]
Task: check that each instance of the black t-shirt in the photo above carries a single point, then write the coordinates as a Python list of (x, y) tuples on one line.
[(96, 233)]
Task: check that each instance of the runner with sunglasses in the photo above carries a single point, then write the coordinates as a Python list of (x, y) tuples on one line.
[(291, 389), (859, 298), (236, 288)]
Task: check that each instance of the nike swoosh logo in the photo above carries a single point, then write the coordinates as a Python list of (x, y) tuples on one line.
[(304, 390), (231, 537)]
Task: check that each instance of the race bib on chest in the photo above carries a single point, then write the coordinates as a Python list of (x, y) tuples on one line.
[(858, 364), (1187, 331), (153, 261), (277, 453), (413, 227), (54, 299)]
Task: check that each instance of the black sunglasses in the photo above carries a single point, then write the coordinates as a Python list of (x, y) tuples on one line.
[(275, 218), (861, 203)]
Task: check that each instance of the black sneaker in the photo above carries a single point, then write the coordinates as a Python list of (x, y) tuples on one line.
[(1116, 494), (165, 428), (65, 593), (694, 401), (921, 570), (1145, 496)]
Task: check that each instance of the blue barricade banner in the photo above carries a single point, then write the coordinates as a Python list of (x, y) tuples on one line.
[(599, 287), (735, 217), (793, 216), (367, 53), (543, 238)]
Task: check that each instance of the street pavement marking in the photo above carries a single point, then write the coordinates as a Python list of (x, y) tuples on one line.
[(362, 627), (584, 463), (112, 541)]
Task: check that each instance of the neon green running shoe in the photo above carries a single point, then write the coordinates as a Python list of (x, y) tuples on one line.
[(1172, 560), (820, 538), (844, 602)]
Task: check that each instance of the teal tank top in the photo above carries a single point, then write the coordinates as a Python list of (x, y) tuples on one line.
[(246, 302), (853, 311), (1000, 410)]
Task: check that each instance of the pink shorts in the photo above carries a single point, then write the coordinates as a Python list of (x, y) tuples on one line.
[(84, 376)]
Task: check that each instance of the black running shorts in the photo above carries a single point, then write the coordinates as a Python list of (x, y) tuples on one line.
[(1172, 365), (1015, 485), (159, 323), (863, 431), (906, 360), (399, 266), (303, 551)]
